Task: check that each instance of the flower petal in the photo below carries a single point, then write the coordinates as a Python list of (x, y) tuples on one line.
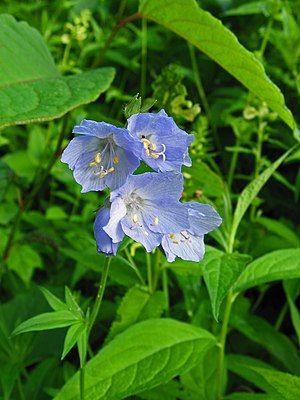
[(203, 218), (113, 228), (140, 233), (98, 129), (104, 242), (188, 247), (78, 146)]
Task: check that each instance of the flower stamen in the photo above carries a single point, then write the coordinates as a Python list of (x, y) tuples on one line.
[(150, 149)]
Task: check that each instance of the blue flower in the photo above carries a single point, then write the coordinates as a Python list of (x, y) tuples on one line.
[(146, 207), (102, 157), (165, 146), (104, 242), (189, 244)]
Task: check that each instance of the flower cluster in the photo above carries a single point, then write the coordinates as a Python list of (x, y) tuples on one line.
[(145, 207)]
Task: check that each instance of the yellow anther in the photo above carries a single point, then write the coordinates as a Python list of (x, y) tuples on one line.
[(110, 170), (115, 160), (155, 155), (147, 152), (156, 221), (98, 158), (152, 146), (175, 242), (93, 164), (146, 143), (172, 236), (135, 218)]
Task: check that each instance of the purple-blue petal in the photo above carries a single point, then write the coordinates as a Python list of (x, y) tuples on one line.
[(104, 242)]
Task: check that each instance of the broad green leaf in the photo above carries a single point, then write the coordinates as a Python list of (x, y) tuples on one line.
[(201, 380), (24, 260), (280, 229), (253, 396), (244, 366), (277, 265), (51, 320), (260, 331), (185, 18), (279, 384), (137, 305), (72, 336), (146, 355), (31, 88), (220, 272), (292, 291), (251, 190), (54, 302)]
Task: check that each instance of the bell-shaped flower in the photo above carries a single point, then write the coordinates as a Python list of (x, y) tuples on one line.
[(104, 242), (189, 243), (102, 156), (165, 146), (146, 207)]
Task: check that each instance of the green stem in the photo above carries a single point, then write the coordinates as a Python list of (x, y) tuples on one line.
[(222, 342), (281, 316), (81, 383), (166, 290), (156, 269), (202, 94), (134, 267), (40, 179), (149, 272), (99, 297), (232, 166), (93, 317), (144, 58), (111, 37)]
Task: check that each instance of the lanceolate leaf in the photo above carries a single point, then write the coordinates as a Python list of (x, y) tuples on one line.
[(251, 191), (200, 28), (147, 354), (51, 320), (31, 88), (277, 265)]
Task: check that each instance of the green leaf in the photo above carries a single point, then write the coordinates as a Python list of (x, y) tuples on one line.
[(252, 396), (280, 229), (24, 260), (186, 19), (146, 355), (277, 265), (137, 305), (279, 384), (54, 302), (244, 366), (220, 272), (260, 331), (201, 379), (251, 190), (292, 291), (51, 320), (72, 304), (31, 88), (72, 336)]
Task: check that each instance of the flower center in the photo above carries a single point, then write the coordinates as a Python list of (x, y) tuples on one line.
[(103, 158), (151, 149)]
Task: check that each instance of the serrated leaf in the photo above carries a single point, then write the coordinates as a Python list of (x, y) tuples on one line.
[(54, 302), (31, 88), (51, 320), (72, 336), (277, 265), (185, 18), (220, 272), (146, 355), (251, 190)]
